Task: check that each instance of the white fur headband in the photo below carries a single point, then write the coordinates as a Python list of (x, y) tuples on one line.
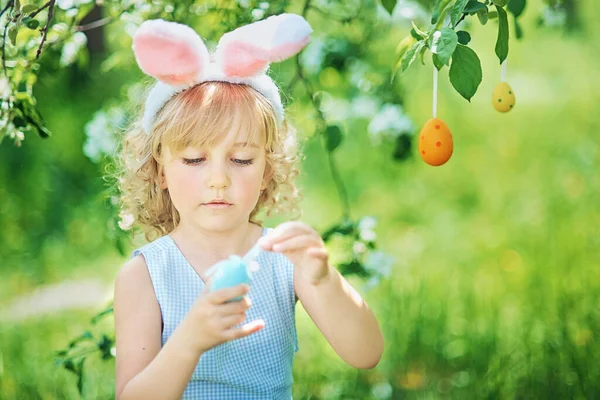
[(175, 55)]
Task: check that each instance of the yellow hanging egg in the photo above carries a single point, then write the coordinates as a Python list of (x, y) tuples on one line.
[(435, 142), (503, 97)]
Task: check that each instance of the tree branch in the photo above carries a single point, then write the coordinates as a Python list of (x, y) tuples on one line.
[(10, 4), (36, 12), (95, 24), (49, 4), (4, 50)]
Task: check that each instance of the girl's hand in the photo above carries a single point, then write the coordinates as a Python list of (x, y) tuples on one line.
[(303, 246), (214, 318)]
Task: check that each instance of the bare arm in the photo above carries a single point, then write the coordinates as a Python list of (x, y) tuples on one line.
[(143, 370), (343, 317)]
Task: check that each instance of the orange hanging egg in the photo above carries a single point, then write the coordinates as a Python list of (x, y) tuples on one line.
[(435, 142), (503, 97)]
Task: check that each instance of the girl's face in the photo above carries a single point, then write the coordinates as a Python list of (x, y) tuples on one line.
[(217, 187)]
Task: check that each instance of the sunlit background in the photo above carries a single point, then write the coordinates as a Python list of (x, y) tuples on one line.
[(485, 276)]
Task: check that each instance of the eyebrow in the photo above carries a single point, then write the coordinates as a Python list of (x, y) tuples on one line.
[(244, 144)]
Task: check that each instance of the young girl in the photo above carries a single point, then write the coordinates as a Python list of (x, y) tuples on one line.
[(212, 149)]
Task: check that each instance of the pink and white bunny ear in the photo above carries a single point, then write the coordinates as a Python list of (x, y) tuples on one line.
[(248, 50), (172, 53)]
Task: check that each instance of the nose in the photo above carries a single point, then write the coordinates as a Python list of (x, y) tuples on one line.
[(218, 176)]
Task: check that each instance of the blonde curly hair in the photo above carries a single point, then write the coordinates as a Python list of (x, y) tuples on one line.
[(197, 117)]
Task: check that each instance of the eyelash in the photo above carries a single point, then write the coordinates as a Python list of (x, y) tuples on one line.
[(197, 161)]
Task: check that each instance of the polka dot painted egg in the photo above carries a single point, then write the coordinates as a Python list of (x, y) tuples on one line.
[(503, 97), (435, 142)]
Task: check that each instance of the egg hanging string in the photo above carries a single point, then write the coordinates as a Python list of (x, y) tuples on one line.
[(503, 70), (435, 90)]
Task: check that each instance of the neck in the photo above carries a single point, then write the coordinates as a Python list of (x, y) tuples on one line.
[(213, 246)]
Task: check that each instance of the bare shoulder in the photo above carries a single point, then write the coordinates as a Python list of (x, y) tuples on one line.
[(138, 322), (133, 275)]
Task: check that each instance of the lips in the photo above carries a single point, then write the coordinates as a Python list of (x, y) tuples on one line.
[(218, 204)]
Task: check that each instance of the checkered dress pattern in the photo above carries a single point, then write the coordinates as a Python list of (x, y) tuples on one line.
[(258, 366)]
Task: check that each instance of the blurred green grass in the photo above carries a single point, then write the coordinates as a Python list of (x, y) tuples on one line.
[(495, 290)]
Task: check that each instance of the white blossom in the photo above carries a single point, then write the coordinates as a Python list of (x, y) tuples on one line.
[(365, 106), (379, 263), (367, 222), (554, 16), (390, 121), (382, 390), (366, 227), (100, 132), (4, 88), (126, 220), (336, 109), (313, 55), (72, 48), (258, 13)]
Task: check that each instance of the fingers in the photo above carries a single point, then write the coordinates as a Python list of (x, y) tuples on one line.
[(232, 320), (284, 232), (319, 252), (220, 296), (244, 330), (296, 243), (235, 307)]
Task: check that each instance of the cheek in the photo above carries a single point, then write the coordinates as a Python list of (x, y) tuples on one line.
[(179, 182), (250, 179)]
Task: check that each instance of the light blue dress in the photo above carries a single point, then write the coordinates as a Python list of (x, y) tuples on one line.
[(258, 366)]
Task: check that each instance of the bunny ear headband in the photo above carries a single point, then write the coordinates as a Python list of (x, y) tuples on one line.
[(175, 55)]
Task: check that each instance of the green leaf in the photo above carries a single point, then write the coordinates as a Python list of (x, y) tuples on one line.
[(408, 58), (463, 37), (492, 14), (473, 6), (438, 10), (120, 246), (421, 54), (465, 71), (31, 23), (483, 17), (389, 5), (33, 117), (502, 41), (419, 32), (12, 35), (344, 228), (107, 311), (19, 122), (516, 7), (518, 29), (500, 3), (404, 45), (333, 135), (443, 44), (70, 366), (457, 11), (29, 8), (415, 35), (436, 62), (402, 148)]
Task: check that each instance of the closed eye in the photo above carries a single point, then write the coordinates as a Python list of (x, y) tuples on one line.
[(197, 161), (192, 161), (242, 162)]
